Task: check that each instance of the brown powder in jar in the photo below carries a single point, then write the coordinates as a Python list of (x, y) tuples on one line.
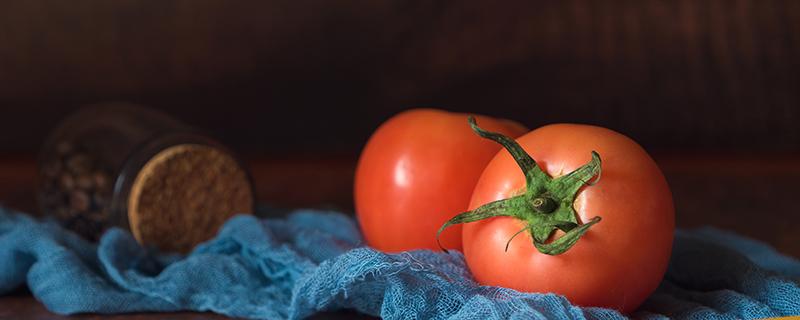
[(184, 194)]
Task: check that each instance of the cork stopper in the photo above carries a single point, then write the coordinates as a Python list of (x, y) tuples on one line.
[(184, 194)]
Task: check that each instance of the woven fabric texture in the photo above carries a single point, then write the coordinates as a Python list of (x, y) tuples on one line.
[(313, 261)]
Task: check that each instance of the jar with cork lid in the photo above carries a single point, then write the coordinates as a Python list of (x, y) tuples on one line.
[(136, 168)]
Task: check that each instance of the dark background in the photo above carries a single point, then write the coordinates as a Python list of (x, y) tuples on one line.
[(710, 88), (289, 76)]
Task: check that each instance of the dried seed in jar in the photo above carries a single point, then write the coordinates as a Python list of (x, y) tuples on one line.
[(84, 181), (66, 182), (79, 200), (78, 163), (100, 180)]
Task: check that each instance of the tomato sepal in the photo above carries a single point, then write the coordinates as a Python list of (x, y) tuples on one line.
[(545, 206)]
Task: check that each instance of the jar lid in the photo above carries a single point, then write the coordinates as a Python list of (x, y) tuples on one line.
[(184, 193)]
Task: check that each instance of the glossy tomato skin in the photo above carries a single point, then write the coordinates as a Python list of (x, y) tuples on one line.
[(619, 261), (417, 171)]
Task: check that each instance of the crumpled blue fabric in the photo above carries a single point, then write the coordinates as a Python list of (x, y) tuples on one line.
[(312, 261)]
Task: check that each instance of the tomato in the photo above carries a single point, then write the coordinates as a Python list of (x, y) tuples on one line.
[(417, 170), (614, 262)]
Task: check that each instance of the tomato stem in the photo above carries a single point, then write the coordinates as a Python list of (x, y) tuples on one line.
[(545, 206)]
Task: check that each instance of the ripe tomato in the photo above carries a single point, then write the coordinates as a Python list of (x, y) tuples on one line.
[(418, 170), (615, 262)]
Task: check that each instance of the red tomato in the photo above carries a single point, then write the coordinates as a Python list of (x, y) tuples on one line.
[(619, 261), (418, 170)]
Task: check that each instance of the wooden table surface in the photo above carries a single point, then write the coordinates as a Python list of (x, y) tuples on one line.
[(751, 195)]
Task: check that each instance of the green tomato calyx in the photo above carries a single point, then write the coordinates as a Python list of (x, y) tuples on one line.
[(545, 206)]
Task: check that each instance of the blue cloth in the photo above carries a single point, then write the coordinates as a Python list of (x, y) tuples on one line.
[(313, 261)]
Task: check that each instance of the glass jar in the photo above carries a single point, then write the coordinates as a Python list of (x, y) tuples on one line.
[(125, 165)]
